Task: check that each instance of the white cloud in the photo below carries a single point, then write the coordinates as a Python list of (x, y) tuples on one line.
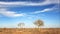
[(46, 2), (5, 12), (45, 10)]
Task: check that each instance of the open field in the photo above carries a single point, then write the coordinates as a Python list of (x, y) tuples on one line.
[(29, 31)]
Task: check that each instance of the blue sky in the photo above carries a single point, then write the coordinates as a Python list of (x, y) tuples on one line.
[(13, 12)]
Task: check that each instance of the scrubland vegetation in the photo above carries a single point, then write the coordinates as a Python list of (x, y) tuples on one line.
[(29, 31)]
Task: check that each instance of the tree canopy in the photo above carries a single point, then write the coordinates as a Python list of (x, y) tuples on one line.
[(39, 23)]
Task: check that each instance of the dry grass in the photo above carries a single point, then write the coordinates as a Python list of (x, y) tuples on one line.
[(29, 31)]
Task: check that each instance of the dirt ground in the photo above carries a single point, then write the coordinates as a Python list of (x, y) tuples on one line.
[(29, 31)]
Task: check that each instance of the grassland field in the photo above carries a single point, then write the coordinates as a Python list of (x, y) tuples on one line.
[(29, 31)]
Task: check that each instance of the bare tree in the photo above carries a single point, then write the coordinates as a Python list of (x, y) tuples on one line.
[(20, 25), (39, 23)]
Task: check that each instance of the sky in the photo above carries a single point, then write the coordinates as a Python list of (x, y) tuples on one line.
[(13, 12)]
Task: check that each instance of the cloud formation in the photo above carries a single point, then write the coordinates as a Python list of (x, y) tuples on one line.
[(20, 3), (44, 10), (5, 12)]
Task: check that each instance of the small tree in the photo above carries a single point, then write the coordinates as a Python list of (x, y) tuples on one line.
[(21, 25), (39, 23)]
